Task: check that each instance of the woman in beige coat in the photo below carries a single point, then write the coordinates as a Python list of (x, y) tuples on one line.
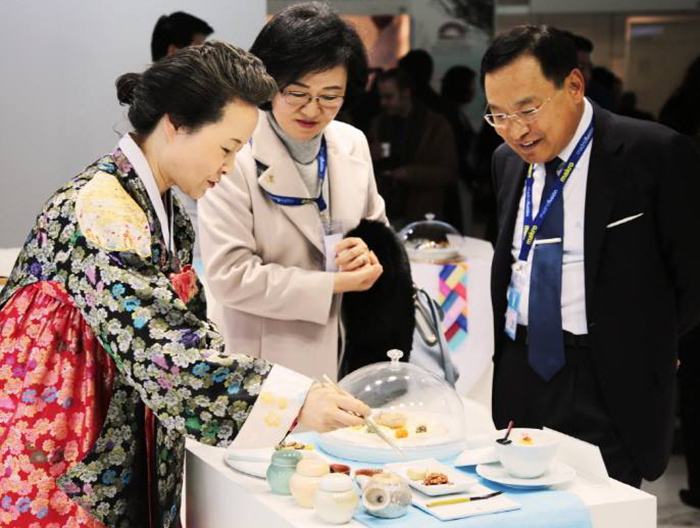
[(262, 229)]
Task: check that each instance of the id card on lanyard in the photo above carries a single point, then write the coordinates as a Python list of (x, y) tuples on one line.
[(531, 227), (322, 160), (332, 231)]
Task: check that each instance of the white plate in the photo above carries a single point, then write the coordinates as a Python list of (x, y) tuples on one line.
[(433, 255), (254, 469), (558, 473), (255, 461), (476, 456), (458, 481), (448, 512), (384, 454)]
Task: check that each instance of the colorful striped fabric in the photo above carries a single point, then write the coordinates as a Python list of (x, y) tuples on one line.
[(452, 297)]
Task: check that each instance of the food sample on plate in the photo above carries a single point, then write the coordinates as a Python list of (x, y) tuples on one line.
[(393, 420), (411, 428), (525, 439), (294, 445), (368, 472), (432, 478), (435, 478), (416, 473), (422, 245)]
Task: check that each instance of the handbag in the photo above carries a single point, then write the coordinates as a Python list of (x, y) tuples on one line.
[(430, 348)]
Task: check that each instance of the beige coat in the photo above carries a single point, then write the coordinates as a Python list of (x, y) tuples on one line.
[(265, 262)]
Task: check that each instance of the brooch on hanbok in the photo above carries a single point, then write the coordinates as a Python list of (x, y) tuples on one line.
[(184, 283)]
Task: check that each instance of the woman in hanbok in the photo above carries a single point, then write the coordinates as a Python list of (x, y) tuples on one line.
[(107, 360)]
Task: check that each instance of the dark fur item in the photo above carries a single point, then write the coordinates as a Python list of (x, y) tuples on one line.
[(383, 317)]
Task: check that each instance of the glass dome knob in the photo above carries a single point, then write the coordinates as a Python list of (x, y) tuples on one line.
[(394, 355), (430, 216)]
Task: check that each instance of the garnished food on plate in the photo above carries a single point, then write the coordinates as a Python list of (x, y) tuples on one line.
[(368, 472), (416, 473), (294, 445), (526, 439), (423, 245), (394, 420), (407, 428), (435, 478)]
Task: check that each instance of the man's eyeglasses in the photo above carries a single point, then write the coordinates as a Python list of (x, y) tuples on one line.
[(299, 99), (525, 116)]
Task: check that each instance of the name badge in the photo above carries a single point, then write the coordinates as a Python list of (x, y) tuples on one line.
[(515, 290), (332, 236)]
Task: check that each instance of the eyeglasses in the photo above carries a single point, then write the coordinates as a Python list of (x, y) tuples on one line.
[(299, 99), (526, 116)]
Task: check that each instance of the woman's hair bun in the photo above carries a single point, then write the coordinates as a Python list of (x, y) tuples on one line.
[(126, 84)]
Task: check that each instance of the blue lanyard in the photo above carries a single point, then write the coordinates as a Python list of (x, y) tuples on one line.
[(531, 227), (321, 158)]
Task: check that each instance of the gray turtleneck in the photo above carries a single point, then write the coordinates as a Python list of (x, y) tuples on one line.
[(304, 155)]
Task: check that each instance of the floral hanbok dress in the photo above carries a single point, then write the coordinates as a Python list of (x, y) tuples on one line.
[(107, 362)]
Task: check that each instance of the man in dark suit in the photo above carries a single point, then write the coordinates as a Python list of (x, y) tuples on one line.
[(595, 272)]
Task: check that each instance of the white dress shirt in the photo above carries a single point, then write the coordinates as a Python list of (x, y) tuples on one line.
[(573, 288)]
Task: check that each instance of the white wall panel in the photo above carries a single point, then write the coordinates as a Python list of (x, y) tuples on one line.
[(58, 105)]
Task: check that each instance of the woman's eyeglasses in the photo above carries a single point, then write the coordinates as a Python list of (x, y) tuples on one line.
[(299, 99)]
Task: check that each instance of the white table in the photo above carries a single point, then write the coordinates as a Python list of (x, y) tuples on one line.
[(219, 497)]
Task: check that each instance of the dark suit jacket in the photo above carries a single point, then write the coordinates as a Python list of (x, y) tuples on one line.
[(428, 154), (642, 277)]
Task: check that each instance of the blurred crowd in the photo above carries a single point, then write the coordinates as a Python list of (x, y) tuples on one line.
[(420, 170)]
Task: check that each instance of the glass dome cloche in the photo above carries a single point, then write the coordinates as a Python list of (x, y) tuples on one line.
[(430, 240), (421, 414)]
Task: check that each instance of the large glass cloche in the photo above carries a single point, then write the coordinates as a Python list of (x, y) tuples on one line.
[(430, 240), (417, 410)]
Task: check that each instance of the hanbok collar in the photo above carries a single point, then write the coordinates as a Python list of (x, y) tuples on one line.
[(143, 170)]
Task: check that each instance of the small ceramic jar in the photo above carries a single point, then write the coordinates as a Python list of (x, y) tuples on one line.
[(281, 469), (386, 495), (336, 499), (306, 479)]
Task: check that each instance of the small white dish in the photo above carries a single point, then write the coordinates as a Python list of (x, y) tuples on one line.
[(558, 473), (476, 456), (449, 512), (459, 482)]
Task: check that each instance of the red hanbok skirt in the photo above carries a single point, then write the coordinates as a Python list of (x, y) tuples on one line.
[(55, 387)]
